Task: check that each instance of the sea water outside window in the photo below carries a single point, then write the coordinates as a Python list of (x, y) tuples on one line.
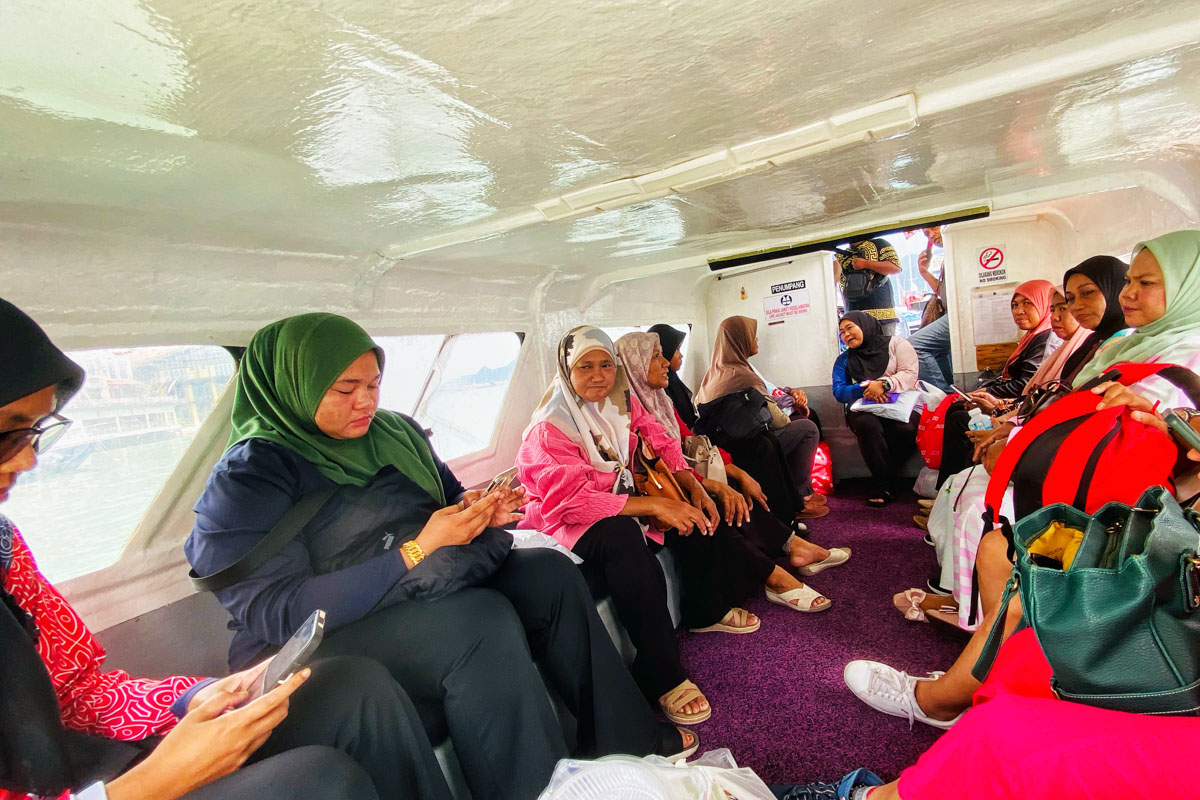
[(137, 413), (453, 385)]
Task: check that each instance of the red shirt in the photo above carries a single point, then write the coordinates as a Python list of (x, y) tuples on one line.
[(111, 704)]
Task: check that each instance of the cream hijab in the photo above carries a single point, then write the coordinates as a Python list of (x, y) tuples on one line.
[(730, 370), (602, 428), (1051, 368)]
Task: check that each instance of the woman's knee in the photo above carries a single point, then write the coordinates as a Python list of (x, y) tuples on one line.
[(346, 682), (620, 539)]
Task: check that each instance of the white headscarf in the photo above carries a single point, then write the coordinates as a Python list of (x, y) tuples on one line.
[(601, 428)]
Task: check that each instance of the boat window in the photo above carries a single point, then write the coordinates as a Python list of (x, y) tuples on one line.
[(137, 413), (453, 385)]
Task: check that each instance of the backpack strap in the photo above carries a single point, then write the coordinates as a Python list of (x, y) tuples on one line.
[(288, 528), (1132, 372)]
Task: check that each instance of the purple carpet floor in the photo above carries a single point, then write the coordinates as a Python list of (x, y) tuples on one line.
[(779, 703)]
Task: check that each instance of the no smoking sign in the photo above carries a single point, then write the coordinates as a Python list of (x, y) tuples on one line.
[(992, 268), (991, 257)]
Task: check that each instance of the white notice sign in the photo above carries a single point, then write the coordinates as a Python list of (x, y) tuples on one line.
[(779, 307), (991, 317)]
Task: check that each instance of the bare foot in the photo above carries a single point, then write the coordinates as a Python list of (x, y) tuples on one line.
[(802, 553)]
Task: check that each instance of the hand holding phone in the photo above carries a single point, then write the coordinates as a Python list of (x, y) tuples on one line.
[(293, 655), (501, 481), (1179, 423)]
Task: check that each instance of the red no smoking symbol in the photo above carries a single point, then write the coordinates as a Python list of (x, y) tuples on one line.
[(991, 258)]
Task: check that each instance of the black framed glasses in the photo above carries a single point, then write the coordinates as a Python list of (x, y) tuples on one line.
[(41, 436)]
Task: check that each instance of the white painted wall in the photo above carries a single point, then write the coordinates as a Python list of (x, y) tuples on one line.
[(797, 352)]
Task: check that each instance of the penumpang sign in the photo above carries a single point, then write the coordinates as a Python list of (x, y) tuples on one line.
[(790, 286)]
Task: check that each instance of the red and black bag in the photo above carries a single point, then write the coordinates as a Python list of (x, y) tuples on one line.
[(1071, 453), (932, 428)]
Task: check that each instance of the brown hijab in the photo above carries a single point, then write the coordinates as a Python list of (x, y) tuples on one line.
[(730, 370)]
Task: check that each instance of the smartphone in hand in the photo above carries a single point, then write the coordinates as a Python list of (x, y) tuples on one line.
[(501, 481), (293, 656)]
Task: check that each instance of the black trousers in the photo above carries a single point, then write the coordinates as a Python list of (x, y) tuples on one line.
[(618, 563), (763, 458), (720, 571), (467, 661), (885, 444), (351, 732), (958, 452)]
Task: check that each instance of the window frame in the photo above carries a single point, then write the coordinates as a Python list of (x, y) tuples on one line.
[(430, 386)]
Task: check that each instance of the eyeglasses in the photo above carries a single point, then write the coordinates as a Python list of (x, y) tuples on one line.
[(41, 436)]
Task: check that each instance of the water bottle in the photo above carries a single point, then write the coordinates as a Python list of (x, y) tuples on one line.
[(979, 421)]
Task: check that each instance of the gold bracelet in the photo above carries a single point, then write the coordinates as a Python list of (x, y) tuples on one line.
[(413, 551)]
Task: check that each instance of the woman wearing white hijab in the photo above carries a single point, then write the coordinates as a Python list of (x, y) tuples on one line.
[(574, 465)]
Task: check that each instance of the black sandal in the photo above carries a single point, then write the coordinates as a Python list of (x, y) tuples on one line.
[(670, 742), (882, 500)]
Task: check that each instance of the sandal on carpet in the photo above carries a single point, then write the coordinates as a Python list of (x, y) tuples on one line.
[(673, 702), (837, 555), (922, 521), (671, 743), (736, 620), (925, 503), (801, 600), (916, 604), (816, 499), (880, 500)]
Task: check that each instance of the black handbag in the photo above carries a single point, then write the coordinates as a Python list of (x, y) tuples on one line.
[(734, 418)]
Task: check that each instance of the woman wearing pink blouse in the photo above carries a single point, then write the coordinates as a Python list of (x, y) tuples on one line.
[(574, 464)]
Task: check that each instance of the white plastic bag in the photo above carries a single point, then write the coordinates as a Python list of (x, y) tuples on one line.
[(713, 776), (926, 485), (931, 396), (900, 410)]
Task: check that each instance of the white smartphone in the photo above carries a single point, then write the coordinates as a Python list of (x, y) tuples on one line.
[(502, 480)]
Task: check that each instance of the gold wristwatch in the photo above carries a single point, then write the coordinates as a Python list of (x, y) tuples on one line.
[(413, 551)]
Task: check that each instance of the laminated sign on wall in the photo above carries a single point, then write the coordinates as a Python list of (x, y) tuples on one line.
[(779, 307)]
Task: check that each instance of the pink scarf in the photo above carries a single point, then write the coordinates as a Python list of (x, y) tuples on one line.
[(1040, 293)]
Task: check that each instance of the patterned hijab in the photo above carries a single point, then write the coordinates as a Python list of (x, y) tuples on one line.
[(1040, 293), (286, 371), (637, 351), (601, 428), (1174, 336), (730, 370)]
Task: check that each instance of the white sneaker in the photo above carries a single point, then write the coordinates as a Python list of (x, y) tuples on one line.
[(890, 691)]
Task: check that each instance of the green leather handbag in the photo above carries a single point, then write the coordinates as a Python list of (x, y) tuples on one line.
[(1119, 626)]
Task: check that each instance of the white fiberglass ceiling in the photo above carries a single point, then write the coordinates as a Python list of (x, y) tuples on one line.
[(429, 131)]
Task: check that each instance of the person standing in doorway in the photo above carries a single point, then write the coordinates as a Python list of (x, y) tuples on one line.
[(863, 274), (932, 341)]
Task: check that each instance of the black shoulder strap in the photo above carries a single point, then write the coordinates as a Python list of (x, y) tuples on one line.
[(288, 528)]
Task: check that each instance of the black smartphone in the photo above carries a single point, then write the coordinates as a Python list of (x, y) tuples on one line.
[(1177, 423), (294, 654)]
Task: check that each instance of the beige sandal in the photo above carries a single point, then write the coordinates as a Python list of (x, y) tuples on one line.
[(736, 620), (673, 702), (803, 599)]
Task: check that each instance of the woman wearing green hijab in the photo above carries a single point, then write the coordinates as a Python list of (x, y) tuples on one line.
[(1161, 302), (379, 555)]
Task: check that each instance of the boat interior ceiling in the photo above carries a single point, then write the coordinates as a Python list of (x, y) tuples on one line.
[(182, 172)]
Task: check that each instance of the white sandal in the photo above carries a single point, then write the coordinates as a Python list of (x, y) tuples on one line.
[(837, 555), (801, 599)]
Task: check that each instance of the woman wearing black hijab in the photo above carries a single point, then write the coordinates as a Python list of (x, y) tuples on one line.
[(1093, 289), (681, 396), (874, 366)]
